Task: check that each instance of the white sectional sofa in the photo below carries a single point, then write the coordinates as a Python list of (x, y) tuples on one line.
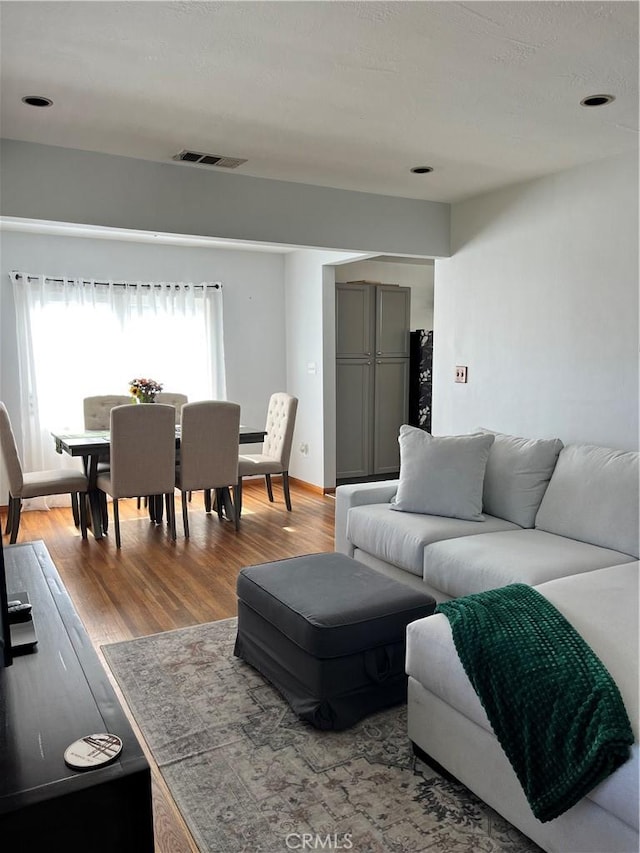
[(564, 520)]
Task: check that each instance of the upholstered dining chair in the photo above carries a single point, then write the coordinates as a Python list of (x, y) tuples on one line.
[(97, 410), (168, 398), (143, 458), (276, 448), (176, 400), (36, 484), (172, 398), (209, 448)]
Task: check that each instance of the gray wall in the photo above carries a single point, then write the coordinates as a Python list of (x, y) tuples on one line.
[(59, 184)]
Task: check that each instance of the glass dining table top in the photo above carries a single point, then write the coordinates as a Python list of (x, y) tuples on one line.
[(89, 442)]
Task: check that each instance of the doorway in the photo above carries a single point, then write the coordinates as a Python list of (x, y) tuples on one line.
[(356, 419)]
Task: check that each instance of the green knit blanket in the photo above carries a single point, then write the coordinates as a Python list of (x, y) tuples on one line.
[(553, 706)]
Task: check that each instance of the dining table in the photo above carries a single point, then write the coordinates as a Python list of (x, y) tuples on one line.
[(93, 446)]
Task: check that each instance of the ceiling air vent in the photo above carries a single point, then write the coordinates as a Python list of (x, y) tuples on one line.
[(208, 159)]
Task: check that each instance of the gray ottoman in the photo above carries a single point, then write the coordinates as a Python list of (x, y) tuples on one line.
[(328, 633)]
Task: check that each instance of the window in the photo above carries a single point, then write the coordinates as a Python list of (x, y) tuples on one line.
[(77, 338)]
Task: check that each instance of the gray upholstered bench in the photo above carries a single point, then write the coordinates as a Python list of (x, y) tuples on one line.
[(328, 633)]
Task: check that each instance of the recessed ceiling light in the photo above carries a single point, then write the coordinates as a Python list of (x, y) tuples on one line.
[(597, 100), (422, 170), (37, 101)]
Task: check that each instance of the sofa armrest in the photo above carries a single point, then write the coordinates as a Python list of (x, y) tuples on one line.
[(358, 494)]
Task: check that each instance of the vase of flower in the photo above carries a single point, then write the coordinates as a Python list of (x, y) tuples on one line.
[(144, 390)]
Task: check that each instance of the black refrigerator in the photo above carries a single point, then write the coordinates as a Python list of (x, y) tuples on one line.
[(420, 373)]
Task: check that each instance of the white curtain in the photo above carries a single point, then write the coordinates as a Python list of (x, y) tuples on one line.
[(77, 338)]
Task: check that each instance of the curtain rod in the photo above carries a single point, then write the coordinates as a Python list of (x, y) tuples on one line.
[(215, 285)]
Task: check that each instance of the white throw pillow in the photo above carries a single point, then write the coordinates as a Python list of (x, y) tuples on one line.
[(442, 475), (517, 476)]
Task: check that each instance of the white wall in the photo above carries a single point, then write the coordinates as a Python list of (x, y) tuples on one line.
[(254, 306), (419, 277), (310, 313), (540, 300)]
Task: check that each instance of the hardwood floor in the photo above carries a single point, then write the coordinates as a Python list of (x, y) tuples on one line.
[(152, 584)]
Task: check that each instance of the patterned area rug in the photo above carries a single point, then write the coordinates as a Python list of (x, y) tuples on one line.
[(250, 777)]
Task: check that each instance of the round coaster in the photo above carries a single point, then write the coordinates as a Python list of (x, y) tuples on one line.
[(92, 751)]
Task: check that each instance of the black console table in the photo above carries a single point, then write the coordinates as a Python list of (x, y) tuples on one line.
[(48, 699)]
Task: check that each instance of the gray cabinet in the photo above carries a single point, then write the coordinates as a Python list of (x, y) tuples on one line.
[(372, 377), (354, 396), (355, 317)]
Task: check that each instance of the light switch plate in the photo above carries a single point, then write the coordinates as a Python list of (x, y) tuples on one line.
[(461, 372)]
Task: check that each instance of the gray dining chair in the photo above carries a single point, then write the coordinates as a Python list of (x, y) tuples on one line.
[(209, 448), (143, 458), (168, 398), (174, 399), (97, 409), (36, 484), (97, 413), (276, 448)]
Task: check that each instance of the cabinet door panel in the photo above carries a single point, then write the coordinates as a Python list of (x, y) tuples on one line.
[(353, 417), (392, 321), (354, 319), (391, 402)]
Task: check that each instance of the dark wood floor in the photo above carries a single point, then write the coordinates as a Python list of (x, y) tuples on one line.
[(152, 584)]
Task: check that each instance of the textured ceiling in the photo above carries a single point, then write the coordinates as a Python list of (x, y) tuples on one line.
[(340, 94)]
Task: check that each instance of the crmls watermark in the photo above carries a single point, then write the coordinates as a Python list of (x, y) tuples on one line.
[(315, 841)]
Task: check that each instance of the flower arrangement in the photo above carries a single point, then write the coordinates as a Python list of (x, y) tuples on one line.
[(144, 390)]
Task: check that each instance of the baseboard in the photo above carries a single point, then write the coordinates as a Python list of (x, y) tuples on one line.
[(300, 484), (310, 487)]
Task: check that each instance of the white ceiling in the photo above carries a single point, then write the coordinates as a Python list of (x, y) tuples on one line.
[(339, 94)]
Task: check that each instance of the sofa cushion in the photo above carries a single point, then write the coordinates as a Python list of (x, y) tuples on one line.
[(602, 606), (593, 496), (442, 475), (517, 476), (477, 563), (433, 661), (612, 594), (400, 537)]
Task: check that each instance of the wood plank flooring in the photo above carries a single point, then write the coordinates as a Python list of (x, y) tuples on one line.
[(152, 584)]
